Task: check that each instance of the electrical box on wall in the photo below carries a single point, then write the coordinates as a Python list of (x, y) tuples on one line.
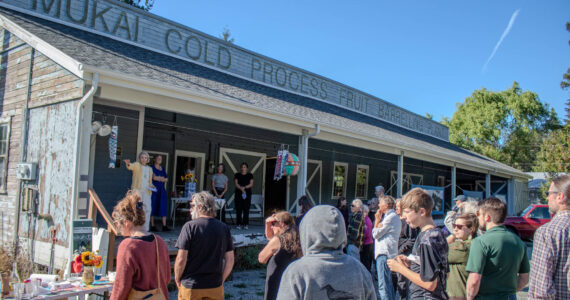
[(27, 171)]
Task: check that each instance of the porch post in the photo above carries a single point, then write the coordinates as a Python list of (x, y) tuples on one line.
[(302, 175), (488, 185), (453, 184), (511, 199), (400, 174)]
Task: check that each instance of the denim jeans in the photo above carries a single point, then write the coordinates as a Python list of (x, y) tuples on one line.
[(512, 297), (353, 251), (385, 287)]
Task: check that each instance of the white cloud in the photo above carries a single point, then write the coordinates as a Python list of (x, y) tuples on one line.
[(505, 33)]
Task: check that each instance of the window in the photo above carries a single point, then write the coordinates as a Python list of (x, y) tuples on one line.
[(4, 145), (339, 179), (540, 213), (361, 182)]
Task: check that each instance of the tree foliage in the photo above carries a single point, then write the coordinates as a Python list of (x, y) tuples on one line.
[(142, 4), (554, 156), (507, 126)]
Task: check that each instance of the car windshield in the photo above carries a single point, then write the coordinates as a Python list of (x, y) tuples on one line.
[(525, 211)]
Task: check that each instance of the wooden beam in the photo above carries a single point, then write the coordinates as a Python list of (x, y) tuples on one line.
[(97, 202)]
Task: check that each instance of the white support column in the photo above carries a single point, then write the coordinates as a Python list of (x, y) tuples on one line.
[(400, 174), (511, 201), (302, 177), (488, 185), (453, 184)]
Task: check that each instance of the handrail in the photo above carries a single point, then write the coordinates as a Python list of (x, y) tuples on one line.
[(94, 200)]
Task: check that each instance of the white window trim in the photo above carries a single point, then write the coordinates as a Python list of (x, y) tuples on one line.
[(367, 168), (8, 121), (337, 163)]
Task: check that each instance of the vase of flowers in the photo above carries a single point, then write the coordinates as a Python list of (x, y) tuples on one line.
[(189, 184), (87, 261)]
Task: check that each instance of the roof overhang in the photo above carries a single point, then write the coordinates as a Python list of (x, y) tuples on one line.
[(144, 92)]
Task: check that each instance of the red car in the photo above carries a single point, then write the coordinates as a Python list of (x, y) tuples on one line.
[(529, 220)]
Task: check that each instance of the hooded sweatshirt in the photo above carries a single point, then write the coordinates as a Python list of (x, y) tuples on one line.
[(324, 271)]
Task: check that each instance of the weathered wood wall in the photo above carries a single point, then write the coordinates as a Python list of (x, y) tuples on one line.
[(53, 96)]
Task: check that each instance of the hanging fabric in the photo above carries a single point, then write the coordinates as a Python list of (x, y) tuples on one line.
[(113, 144), (277, 173)]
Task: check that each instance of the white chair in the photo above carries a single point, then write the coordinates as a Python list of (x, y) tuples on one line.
[(256, 210)]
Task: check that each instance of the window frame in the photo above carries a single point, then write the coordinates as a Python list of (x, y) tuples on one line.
[(345, 182), (6, 121), (367, 168)]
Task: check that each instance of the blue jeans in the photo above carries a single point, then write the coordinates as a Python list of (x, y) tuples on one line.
[(353, 251), (385, 287), (512, 297)]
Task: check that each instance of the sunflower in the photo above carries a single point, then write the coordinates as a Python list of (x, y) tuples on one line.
[(87, 258), (99, 263)]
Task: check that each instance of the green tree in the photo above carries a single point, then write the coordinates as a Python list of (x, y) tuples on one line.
[(142, 4), (507, 126)]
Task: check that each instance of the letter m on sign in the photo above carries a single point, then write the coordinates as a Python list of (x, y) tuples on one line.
[(47, 6)]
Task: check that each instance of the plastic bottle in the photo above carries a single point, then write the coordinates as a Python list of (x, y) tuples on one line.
[(14, 277)]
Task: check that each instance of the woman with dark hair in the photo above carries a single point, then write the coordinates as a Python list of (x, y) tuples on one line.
[(304, 206), (159, 197), (341, 205), (143, 264), (464, 230), (282, 249), (243, 182)]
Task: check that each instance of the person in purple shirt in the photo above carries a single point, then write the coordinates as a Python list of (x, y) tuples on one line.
[(367, 251)]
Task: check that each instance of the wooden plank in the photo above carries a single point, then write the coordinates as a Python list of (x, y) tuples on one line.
[(111, 250), (103, 211)]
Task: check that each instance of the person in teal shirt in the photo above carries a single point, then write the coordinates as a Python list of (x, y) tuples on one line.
[(498, 263)]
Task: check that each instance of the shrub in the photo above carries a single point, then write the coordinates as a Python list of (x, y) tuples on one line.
[(246, 258)]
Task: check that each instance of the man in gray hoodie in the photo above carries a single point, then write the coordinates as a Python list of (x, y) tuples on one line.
[(324, 271)]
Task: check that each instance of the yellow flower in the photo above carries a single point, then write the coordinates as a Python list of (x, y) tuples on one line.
[(86, 258)]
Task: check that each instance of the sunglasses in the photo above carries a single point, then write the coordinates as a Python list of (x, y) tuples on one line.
[(459, 226), (548, 193)]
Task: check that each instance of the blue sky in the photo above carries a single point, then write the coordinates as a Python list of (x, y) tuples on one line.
[(424, 56)]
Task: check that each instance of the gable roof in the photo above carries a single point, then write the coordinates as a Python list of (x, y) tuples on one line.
[(100, 52)]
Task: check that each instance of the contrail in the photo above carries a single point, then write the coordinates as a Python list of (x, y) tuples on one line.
[(505, 33)]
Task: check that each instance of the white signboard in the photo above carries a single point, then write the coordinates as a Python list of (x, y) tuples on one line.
[(135, 26)]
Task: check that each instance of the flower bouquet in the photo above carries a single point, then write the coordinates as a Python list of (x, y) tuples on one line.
[(86, 261), (189, 184)]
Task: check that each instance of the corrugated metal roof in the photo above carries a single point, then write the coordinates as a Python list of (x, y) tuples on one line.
[(105, 53)]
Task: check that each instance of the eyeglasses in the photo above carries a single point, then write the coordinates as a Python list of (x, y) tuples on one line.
[(458, 226), (548, 193)]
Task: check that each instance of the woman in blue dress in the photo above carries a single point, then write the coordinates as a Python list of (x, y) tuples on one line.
[(159, 197)]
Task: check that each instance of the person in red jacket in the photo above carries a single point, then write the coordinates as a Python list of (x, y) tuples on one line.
[(137, 254)]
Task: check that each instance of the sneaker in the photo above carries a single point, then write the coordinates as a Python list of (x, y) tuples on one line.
[(152, 229), (238, 227), (245, 227), (165, 228)]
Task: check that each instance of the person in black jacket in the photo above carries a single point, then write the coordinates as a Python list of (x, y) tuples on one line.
[(406, 242), (341, 205)]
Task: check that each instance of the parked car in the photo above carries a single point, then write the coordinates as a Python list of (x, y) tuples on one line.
[(529, 220)]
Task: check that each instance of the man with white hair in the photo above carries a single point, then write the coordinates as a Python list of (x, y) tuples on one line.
[(355, 234), (205, 252)]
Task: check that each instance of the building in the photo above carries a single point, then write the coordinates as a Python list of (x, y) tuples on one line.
[(198, 101)]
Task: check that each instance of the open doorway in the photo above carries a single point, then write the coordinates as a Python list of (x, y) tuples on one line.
[(186, 162), (275, 191)]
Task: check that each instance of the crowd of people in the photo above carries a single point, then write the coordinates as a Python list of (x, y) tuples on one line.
[(327, 252)]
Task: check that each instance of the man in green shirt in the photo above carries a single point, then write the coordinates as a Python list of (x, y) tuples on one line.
[(497, 260)]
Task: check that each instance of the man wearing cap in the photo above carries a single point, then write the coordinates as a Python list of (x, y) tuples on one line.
[(450, 217)]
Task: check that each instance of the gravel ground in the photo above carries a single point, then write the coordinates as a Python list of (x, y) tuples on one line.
[(250, 285)]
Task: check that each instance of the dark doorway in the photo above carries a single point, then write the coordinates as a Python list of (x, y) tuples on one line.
[(275, 191)]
